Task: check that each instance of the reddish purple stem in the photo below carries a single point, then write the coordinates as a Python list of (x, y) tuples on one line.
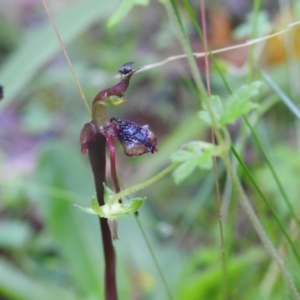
[(96, 150)]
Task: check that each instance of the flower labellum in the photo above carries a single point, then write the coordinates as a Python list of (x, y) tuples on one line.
[(135, 139)]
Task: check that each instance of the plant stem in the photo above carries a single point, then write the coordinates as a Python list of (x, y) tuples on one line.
[(259, 228), (97, 160), (207, 77), (144, 184)]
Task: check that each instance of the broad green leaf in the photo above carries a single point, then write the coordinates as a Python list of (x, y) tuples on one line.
[(124, 9)]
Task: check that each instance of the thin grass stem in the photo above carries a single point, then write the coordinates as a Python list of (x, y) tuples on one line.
[(67, 57), (215, 166), (259, 229), (161, 275)]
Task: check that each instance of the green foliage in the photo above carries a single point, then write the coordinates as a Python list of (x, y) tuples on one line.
[(194, 154), (237, 104), (202, 272)]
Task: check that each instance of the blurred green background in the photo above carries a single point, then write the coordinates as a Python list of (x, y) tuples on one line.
[(51, 250)]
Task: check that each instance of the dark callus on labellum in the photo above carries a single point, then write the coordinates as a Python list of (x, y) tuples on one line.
[(135, 139)]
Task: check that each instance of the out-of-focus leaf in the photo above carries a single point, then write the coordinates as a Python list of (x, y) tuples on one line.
[(41, 44), (124, 9), (14, 234), (195, 154), (183, 171), (217, 108), (236, 105), (262, 22), (77, 234), (17, 285), (203, 274)]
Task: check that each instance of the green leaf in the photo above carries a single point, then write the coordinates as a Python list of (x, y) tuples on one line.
[(181, 156), (87, 210), (113, 210), (238, 103), (124, 9), (183, 171), (196, 154), (216, 107)]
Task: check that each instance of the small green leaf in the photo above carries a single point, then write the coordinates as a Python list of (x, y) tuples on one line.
[(113, 210), (236, 105), (195, 154), (96, 207), (87, 210), (133, 204), (117, 210)]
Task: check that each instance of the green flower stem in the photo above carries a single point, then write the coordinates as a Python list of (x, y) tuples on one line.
[(259, 228), (143, 184)]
